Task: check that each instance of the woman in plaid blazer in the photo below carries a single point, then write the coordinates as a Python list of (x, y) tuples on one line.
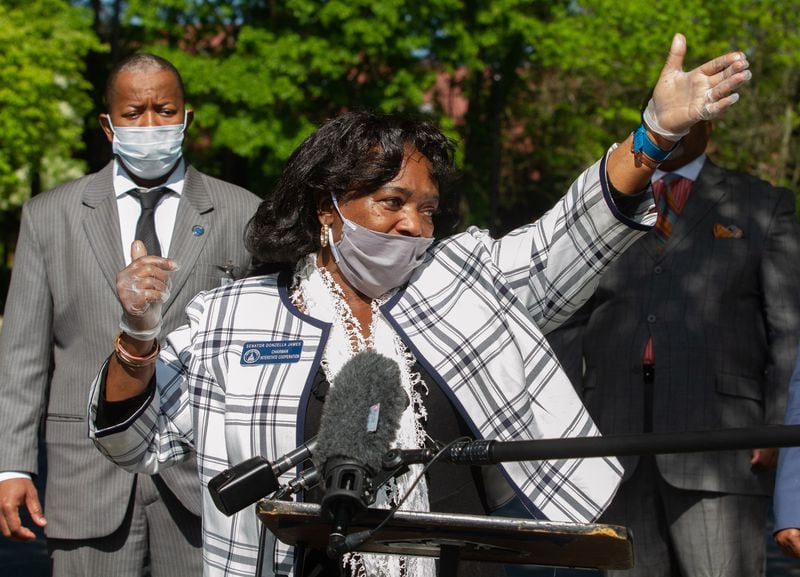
[(348, 263)]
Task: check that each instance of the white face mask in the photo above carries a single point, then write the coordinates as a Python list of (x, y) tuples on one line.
[(375, 262), (148, 152)]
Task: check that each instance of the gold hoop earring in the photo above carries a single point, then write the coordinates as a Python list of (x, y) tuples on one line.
[(323, 236)]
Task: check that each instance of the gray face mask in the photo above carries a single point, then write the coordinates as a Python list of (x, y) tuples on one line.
[(148, 152), (375, 262)]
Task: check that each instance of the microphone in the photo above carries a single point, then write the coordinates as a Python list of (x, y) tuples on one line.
[(245, 483), (359, 421)]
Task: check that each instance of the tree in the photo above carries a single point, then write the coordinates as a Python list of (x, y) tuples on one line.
[(43, 94), (262, 75), (544, 85), (761, 136), (43, 99), (590, 68)]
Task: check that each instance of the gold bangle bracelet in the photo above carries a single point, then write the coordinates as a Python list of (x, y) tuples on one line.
[(135, 361)]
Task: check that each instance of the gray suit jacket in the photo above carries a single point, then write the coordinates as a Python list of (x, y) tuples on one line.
[(60, 320), (724, 315)]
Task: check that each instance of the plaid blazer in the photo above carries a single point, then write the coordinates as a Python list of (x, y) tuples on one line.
[(474, 314)]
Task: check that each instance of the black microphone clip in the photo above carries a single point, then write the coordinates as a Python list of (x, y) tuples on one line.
[(348, 493)]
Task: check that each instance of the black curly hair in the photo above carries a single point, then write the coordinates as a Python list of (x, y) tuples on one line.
[(349, 156)]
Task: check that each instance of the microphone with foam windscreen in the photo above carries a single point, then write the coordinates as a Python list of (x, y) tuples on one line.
[(359, 421)]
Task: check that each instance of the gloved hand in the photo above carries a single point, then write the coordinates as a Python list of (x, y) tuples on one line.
[(142, 288), (681, 99)]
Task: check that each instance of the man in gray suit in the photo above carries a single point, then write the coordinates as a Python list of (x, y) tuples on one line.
[(73, 240), (695, 327)]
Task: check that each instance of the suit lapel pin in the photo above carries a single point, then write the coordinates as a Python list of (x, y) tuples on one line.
[(198, 230)]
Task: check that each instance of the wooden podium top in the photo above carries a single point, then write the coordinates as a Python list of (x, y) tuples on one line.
[(478, 538)]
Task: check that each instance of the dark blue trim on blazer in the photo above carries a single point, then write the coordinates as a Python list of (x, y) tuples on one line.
[(119, 427), (609, 196), (284, 278)]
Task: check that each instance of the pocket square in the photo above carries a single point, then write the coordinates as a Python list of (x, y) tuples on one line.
[(730, 231)]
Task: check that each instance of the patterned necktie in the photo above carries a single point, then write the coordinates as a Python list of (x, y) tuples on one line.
[(146, 226), (670, 195)]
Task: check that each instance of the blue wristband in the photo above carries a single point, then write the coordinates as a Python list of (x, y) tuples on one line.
[(643, 145)]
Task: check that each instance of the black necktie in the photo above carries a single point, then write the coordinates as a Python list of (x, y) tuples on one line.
[(146, 226)]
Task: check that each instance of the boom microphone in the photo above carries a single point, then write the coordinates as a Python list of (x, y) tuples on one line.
[(245, 483), (359, 421), (487, 452)]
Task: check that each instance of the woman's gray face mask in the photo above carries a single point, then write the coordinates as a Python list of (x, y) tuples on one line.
[(375, 262)]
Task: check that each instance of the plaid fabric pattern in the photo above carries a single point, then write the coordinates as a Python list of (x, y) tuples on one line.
[(474, 314)]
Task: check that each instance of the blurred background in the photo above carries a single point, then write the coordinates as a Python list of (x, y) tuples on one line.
[(531, 90)]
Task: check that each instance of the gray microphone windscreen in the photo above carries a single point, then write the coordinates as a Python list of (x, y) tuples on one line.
[(362, 412)]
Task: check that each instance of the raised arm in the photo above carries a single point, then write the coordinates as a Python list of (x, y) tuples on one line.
[(680, 100)]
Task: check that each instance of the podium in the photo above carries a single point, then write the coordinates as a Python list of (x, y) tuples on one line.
[(452, 537)]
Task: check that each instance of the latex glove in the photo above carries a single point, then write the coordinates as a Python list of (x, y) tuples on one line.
[(14, 493), (681, 99), (142, 288)]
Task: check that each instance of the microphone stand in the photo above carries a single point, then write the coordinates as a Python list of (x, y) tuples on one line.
[(484, 452), (487, 452), (262, 551)]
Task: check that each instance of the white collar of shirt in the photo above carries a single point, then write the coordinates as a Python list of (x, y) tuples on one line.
[(690, 170), (123, 183), (129, 208)]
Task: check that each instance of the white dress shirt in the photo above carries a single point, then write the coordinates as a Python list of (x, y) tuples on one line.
[(690, 170), (130, 208)]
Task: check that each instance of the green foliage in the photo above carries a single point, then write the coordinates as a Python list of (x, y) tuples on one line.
[(591, 66), (548, 84), (43, 95), (760, 136), (545, 85), (272, 74)]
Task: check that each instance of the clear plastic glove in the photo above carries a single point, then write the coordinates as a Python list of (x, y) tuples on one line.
[(681, 99), (142, 288)]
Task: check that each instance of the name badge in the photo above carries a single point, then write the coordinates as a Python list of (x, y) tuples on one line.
[(271, 352)]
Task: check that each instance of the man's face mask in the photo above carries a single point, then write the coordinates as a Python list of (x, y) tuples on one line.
[(148, 152), (375, 262)]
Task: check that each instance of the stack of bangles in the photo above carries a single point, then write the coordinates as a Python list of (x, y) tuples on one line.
[(135, 361), (645, 151)]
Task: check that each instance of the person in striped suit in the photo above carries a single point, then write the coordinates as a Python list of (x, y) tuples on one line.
[(62, 309)]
